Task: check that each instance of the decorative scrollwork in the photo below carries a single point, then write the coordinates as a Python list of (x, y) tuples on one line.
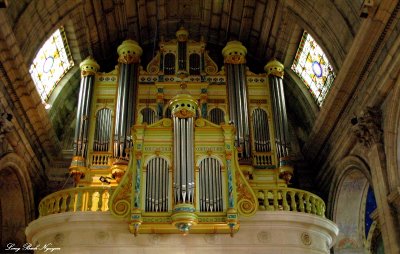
[(121, 208), (246, 207), (154, 66), (211, 66), (120, 200), (247, 201)]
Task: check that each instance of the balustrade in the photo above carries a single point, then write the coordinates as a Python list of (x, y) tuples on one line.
[(289, 199), (75, 200)]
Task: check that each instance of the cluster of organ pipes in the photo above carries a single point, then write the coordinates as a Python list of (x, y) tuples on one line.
[(280, 117), (149, 116), (157, 185), (102, 131), (217, 116), (210, 189), (238, 106), (182, 55), (184, 160), (83, 115), (124, 112), (261, 131)]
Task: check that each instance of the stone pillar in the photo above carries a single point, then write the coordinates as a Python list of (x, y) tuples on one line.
[(368, 130), (129, 57), (235, 67), (275, 72), (89, 67)]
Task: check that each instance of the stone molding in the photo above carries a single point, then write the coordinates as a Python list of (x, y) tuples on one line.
[(265, 232)]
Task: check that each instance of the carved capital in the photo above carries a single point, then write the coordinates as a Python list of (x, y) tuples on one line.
[(367, 127), (5, 124), (394, 199)]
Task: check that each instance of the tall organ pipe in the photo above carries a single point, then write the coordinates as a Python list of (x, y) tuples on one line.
[(182, 36), (234, 57), (275, 72), (183, 108), (129, 57), (89, 67)]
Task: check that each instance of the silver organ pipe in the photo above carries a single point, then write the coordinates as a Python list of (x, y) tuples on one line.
[(210, 180), (183, 108), (182, 55), (261, 131), (194, 64), (234, 58), (169, 64), (217, 115), (102, 130), (89, 67), (157, 182), (182, 37), (275, 71), (129, 56), (149, 116)]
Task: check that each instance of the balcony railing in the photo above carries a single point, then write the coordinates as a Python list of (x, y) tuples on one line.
[(75, 200), (289, 199), (262, 159), (96, 199), (100, 159)]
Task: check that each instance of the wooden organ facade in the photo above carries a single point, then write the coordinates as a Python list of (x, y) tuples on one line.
[(184, 145)]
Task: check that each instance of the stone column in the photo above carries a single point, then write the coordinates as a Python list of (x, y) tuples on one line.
[(368, 130), (235, 67)]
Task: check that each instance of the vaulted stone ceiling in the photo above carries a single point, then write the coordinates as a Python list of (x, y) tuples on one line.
[(268, 28)]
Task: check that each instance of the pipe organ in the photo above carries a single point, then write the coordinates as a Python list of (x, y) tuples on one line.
[(188, 146)]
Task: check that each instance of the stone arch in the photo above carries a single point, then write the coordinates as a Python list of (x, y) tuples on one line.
[(348, 196), (16, 199)]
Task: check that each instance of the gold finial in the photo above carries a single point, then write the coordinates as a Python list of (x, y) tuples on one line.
[(183, 106), (275, 68), (129, 52), (89, 66), (234, 53), (182, 34)]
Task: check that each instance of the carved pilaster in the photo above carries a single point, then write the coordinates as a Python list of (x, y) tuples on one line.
[(367, 127)]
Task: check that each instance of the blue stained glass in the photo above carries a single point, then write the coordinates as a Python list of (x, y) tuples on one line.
[(370, 206)]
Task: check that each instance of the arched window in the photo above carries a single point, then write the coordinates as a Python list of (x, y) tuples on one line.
[(261, 131), (51, 63), (103, 130), (217, 115), (149, 116), (313, 67), (210, 186), (157, 185), (194, 64), (169, 64)]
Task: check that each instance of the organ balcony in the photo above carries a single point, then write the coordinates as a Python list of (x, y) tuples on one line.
[(185, 147)]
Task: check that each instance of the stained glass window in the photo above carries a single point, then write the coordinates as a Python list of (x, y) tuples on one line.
[(51, 63), (313, 67)]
